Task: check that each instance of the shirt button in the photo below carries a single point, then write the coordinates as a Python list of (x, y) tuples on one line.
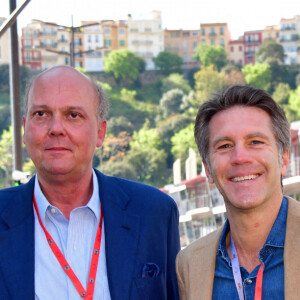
[(53, 210), (248, 281)]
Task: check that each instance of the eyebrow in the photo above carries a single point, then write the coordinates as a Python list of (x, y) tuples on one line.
[(44, 106)]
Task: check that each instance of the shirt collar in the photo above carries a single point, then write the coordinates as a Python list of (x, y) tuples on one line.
[(276, 236), (43, 204)]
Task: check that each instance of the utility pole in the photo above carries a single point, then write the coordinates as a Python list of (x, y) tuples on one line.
[(15, 96), (73, 29)]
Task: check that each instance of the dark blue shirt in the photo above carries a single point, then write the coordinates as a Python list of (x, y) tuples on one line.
[(271, 255)]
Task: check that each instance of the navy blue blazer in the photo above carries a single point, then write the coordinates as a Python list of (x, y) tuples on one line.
[(141, 226)]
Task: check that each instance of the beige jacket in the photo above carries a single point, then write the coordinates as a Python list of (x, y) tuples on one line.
[(195, 265)]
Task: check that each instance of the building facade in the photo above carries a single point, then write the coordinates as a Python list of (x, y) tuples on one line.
[(236, 53), (271, 33), (290, 39), (252, 40), (4, 46), (146, 37)]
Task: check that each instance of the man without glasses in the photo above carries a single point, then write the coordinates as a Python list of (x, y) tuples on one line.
[(72, 232), (243, 137)]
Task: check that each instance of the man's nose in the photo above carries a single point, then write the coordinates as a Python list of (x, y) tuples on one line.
[(240, 154), (56, 126)]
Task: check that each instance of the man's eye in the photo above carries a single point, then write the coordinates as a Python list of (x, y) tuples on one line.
[(225, 146), (74, 115), (255, 142), (40, 113)]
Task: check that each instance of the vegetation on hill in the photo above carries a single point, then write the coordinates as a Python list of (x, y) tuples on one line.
[(151, 117)]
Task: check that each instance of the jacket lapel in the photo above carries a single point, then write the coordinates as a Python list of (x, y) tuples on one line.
[(17, 243), (121, 236), (291, 251)]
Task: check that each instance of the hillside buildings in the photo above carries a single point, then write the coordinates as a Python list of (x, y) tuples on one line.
[(44, 45)]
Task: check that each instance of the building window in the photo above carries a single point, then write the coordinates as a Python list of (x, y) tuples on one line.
[(221, 30), (231, 49), (212, 31), (194, 45), (203, 31), (89, 39), (184, 45), (174, 34), (121, 31), (97, 39), (194, 33), (213, 42), (53, 44), (222, 43), (44, 43), (107, 43), (122, 43), (53, 31), (107, 30)]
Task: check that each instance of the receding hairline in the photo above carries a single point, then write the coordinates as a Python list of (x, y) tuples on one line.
[(69, 70)]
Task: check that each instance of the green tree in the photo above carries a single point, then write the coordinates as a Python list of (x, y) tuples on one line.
[(167, 62), (258, 75), (175, 81), (211, 55), (294, 101), (282, 93), (207, 81), (147, 156), (171, 102), (124, 64), (6, 163), (182, 141), (119, 169), (268, 52), (119, 124)]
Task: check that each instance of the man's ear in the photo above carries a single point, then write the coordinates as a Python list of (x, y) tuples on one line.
[(101, 132), (208, 173), (285, 162)]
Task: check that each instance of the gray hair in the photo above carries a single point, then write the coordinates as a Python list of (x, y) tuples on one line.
[(243, 96)]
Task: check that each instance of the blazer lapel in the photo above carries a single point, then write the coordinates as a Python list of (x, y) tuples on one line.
[(291, 251), (17, 244), (121, 236)]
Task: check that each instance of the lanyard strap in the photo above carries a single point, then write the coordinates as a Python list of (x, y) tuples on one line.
[(89, 292), (238, 278)]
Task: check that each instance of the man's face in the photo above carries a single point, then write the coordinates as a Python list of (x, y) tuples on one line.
[(61, 129), (244, 158)]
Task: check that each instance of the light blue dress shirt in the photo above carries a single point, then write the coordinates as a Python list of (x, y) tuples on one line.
[(75, 238)]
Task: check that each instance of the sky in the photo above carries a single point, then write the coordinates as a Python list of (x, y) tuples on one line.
[(241, 15)]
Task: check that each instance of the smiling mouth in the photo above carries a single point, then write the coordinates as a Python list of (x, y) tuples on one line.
[(243, 178)]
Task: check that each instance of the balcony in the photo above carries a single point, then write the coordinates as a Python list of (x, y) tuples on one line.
[(249, 53), (212, 34), (287, 28), (139, 42), (252, 41)]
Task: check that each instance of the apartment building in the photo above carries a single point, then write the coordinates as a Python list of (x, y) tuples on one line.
[(236, 53), (4, 45), (216, 34), (290, 39), (182, 43), (146, 37), (252, 40), (271, 33)]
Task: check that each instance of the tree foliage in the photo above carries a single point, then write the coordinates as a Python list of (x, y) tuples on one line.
[(6, 163), (117, 125), (282, 93), (211, 55), (268, 52), (182, 141), (294, 101), (147, 157), (167, 62), (171, 102), (257, 75), (207, 81), (124, 64), (175, 81)]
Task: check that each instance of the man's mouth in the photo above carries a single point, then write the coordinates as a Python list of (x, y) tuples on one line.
[(243, 178)]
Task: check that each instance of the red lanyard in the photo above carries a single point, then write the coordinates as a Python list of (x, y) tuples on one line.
[(89, 292), (238, 278)]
